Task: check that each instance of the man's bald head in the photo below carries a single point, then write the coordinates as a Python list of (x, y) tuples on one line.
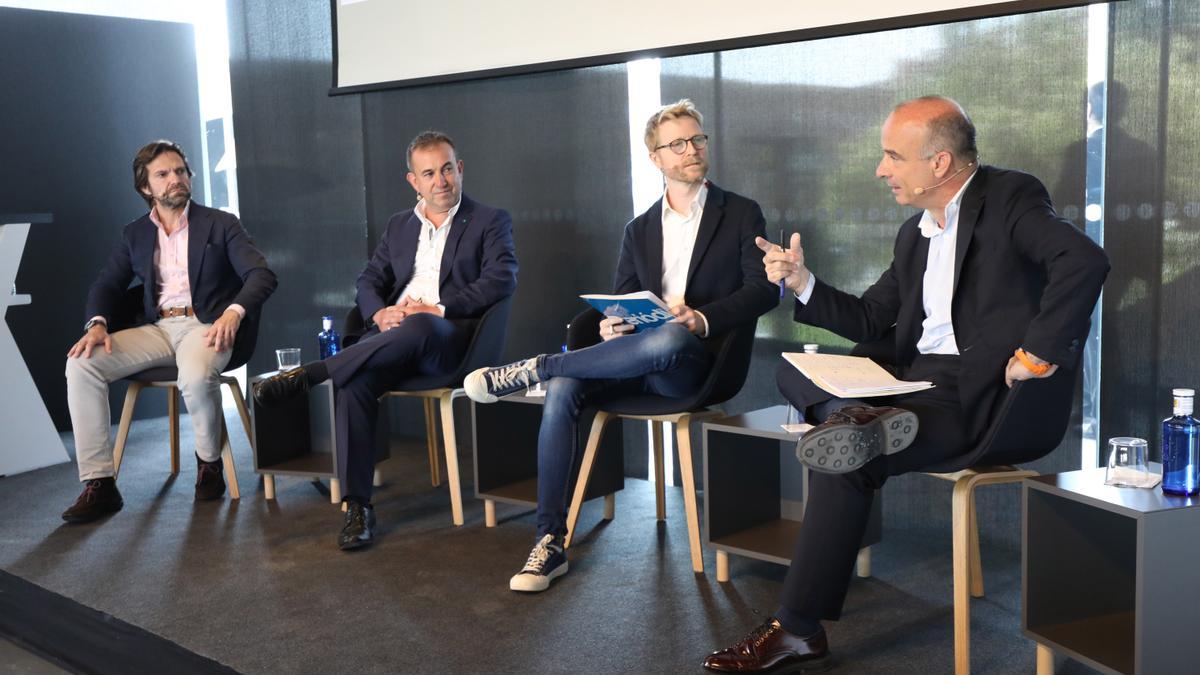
[(947, 126)]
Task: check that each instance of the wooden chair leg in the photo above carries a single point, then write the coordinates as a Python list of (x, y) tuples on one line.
[(448, 434), (173, 427), (377, 478), (722, 566), (431, 442), (131, 396), (961, 538), (863, 563), (243, 411), (269, 486), (230, 469), (610, 506), (976, 561), (660, 477), (489, 513), (683, 447), (1045, 660), (335, 491), (585, 473)]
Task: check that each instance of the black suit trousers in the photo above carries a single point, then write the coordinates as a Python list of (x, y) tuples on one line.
[(839, 505), (423, 344)]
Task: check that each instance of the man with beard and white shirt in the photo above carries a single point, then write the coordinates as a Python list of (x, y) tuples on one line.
[(695, 248), (201, 276)]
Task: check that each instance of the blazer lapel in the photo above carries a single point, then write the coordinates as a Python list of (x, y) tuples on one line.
[(144, 243), (654, 249), (407, 239), (462, 221), (714, 209), (199, 229), (968, 214), (908, 324)]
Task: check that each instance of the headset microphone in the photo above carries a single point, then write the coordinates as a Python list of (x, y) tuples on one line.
[(923, 190)]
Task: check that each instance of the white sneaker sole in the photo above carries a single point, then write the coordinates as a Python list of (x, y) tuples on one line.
[(476, 387), (532, 583)]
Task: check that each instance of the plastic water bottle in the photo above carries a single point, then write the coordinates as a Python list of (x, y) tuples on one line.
[(328, 340), (1181, 446)]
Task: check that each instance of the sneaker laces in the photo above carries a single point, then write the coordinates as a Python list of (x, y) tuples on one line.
[(539, 555), (509, 376)]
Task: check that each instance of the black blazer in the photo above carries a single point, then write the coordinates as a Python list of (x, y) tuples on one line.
[(726, 281), (224, 267), (1023, 277), (479, 263)]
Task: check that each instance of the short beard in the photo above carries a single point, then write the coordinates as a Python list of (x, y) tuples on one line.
[(175, 200)]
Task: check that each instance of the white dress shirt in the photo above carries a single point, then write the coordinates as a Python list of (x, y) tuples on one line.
[(679, 238), (427, 265), (937, 286)]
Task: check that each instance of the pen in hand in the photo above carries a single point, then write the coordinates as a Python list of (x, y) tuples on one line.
[(783, 281)]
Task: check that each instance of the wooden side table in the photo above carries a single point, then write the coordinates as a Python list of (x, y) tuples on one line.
[(1110, 576), (753, 502)]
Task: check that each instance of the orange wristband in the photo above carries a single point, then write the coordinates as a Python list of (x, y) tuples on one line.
[(1037, 369)]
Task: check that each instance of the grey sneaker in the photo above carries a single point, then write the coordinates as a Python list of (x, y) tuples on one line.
[(547, 561), (487, 385)]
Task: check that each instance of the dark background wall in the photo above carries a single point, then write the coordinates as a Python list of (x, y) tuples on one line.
[(81, 95)]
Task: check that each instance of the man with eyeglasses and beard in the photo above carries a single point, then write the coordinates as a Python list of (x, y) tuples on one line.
[(201, 276), (695, 249)]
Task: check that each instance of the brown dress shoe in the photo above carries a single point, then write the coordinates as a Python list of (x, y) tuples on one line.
[(771, 649), (855, 435), (210, 480), (100, 497)]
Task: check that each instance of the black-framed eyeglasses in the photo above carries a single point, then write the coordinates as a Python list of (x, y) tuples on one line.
[(679, 145)]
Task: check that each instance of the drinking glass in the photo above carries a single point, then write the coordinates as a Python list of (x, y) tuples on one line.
[(288, 358), (1127, 465)]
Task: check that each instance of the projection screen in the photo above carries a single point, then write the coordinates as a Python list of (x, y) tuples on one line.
[(381, 44)]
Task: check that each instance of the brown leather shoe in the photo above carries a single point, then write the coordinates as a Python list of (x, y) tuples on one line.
[(771, 649), (210, 480), (100, 497), (855, 435)]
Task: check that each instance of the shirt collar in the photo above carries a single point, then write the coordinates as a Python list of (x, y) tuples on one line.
[(183, 220), (696, 206), (419, 211), (929, 226)]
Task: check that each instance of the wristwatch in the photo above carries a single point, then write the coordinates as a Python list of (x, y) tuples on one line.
[(92, 322)]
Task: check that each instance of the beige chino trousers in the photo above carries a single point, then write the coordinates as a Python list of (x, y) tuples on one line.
[(177, 341)]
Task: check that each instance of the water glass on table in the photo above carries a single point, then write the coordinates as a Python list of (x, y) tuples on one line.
[(288, 358)]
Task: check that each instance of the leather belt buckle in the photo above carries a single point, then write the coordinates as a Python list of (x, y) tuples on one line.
[(172, 312)]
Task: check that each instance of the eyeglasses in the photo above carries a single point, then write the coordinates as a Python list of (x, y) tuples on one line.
[(679, 145)]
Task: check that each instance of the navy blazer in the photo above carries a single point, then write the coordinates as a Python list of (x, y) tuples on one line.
[(479, 263), (224, 267), (726, 281), (1023, 277)]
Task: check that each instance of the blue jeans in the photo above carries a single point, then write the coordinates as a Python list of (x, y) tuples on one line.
[(667, 361)]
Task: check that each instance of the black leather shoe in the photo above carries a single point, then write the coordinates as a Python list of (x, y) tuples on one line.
[(100, 497), (281, 386), (210, 480), (771, 649), (854, 436), (359, 529)]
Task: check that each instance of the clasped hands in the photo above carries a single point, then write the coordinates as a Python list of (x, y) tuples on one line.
[(612, 327), (393, 315)]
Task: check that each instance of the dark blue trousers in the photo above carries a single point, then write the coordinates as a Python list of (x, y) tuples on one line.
[(839, 505), (423, 344)]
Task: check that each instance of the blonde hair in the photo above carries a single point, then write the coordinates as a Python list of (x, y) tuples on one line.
[(681, 108)]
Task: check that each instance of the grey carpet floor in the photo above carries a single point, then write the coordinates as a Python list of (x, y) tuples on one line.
[(261, 587)]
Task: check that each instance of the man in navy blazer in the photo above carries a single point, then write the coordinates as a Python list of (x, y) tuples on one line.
[(437, 269), (987, 286), (201, 277), (695, 249)]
